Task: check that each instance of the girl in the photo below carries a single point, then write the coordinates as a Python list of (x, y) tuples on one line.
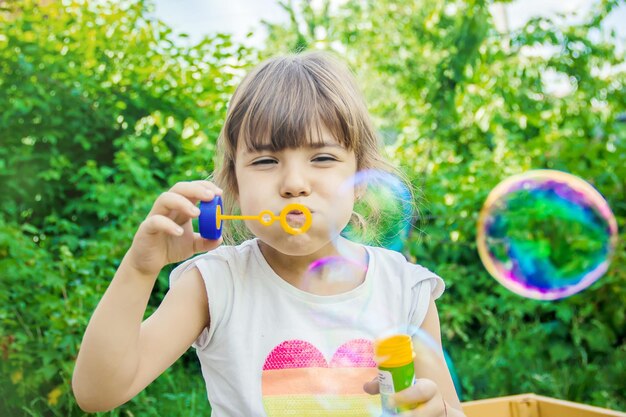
[(270, 341)]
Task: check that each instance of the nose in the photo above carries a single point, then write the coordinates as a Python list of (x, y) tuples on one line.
[(295, 182)]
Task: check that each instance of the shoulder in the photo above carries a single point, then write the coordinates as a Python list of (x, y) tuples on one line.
[(393, 265), (224, 258), (218, 272), (390, 260)]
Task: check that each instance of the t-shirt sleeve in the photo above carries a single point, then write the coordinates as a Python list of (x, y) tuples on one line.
[(218, 284), (424, 286)]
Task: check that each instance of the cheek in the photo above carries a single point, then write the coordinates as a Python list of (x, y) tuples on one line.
[(341, 206), (245, 190), (245, 202), (251, 199)]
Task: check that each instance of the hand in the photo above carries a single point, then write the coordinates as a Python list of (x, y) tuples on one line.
[(422, 399), (166, 235)]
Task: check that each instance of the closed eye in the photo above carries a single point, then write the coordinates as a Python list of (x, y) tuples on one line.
[(264, 161), (324, 158)]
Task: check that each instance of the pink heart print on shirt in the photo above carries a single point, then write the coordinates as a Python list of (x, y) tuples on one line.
[(298, 381)]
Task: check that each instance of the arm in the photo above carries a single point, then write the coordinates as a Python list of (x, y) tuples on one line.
[(433, 365), (120, 355)]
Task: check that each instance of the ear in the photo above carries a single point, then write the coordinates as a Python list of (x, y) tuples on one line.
[(359, 191)]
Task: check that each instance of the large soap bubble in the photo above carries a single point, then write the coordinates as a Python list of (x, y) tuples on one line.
[(384, 206), (546, 234)]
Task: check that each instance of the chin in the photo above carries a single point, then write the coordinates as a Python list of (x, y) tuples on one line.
[(297, 245)]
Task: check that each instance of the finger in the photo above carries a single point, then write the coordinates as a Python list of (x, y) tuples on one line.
[(161, 224), (422, 391), (372, 387), (201, 244), (173, 204), (432, 407), (197, 190)]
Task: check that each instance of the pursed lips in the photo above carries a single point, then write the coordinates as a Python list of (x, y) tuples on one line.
[(296, 217), (295, 211)]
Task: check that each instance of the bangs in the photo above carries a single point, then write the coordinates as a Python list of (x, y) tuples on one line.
[(290, 103)]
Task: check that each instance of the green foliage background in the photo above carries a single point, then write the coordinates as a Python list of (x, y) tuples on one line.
[(101, 109)]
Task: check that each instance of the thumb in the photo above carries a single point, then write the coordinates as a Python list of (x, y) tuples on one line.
[(371, 387), (422, 391)]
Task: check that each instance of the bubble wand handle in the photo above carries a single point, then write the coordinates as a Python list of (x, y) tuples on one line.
[(211, 217), (237, 217)]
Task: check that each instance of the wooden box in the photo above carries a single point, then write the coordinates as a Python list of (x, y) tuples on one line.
[(531, 405)]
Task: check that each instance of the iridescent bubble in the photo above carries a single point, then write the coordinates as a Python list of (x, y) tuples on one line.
[(546, 234), (333, 275), (383, 209)]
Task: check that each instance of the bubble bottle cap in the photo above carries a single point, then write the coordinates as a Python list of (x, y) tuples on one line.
[(209, 222), (394, 351)]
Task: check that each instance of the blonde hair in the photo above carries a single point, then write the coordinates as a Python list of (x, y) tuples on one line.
[(285, 102)]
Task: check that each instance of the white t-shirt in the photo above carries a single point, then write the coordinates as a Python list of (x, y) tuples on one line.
[(274, 350)]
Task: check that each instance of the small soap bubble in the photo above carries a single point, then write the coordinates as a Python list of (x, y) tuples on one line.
[(546, 234), (383, 209), (333, 274)]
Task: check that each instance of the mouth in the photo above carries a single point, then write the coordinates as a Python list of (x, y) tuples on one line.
[(295, 218)]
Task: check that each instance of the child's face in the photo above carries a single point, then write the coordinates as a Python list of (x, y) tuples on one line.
[(308, 175)]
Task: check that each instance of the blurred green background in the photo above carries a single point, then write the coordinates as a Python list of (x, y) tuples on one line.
[(101, 109)]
